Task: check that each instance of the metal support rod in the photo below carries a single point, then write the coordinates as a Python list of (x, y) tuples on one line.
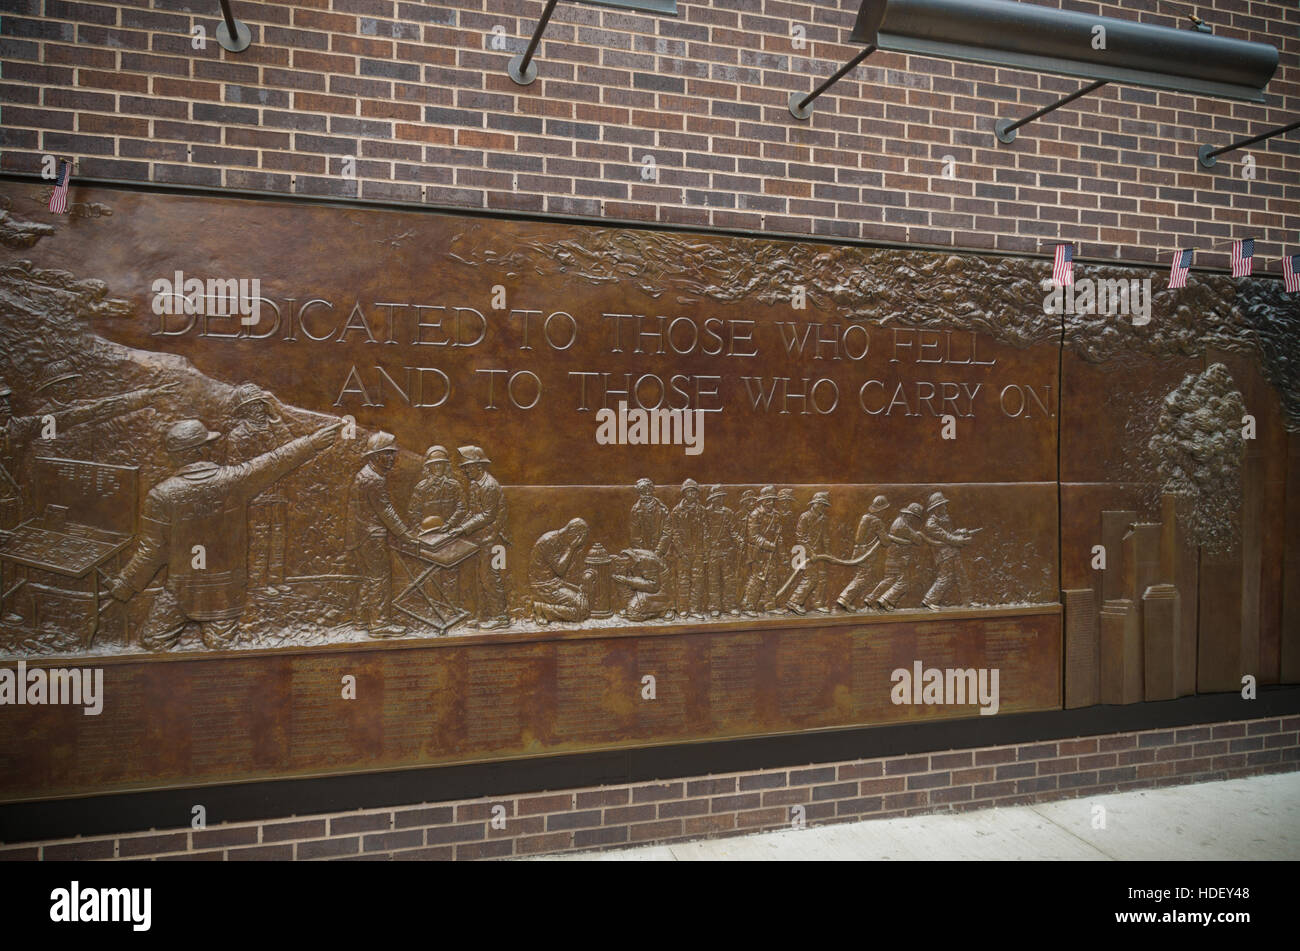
[(801, 106), (1206, 155), (1006, 128), (232, 34), (231, 22), (522, 69)]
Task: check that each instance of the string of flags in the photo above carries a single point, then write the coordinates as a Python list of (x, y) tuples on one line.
[(1243, 249), (1243, 259)]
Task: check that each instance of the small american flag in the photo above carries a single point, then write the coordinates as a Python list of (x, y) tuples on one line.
[(1178, 269), (1243, 253), (59, 197), (1063, 265), (1291, 273)]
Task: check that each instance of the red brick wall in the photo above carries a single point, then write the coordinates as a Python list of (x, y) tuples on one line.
[(413, 91), (729, 804)]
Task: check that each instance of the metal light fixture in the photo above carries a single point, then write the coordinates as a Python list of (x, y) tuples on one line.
[(232, 34), (523, 70), (1048, 40)]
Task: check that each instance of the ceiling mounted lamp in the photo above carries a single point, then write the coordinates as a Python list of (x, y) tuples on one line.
[(523, 70), (232, 34), (1048, 40)]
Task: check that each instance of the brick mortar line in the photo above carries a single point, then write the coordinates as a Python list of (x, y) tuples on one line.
[(1144, 174), (967, 192), (1170, 150), (869, 82)]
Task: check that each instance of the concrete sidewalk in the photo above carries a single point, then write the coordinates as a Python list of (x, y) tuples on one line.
[(1255, 818)]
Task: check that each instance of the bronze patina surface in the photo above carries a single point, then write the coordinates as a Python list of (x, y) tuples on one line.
[(394, 464), (188, 718)]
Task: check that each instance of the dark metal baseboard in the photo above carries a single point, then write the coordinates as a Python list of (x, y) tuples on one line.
[(121, 813)]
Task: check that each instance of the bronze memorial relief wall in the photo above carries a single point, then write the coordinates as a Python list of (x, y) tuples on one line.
[(395, 501)]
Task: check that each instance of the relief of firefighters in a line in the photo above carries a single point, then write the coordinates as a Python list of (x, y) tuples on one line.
[(704, 559), (208, 559)]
